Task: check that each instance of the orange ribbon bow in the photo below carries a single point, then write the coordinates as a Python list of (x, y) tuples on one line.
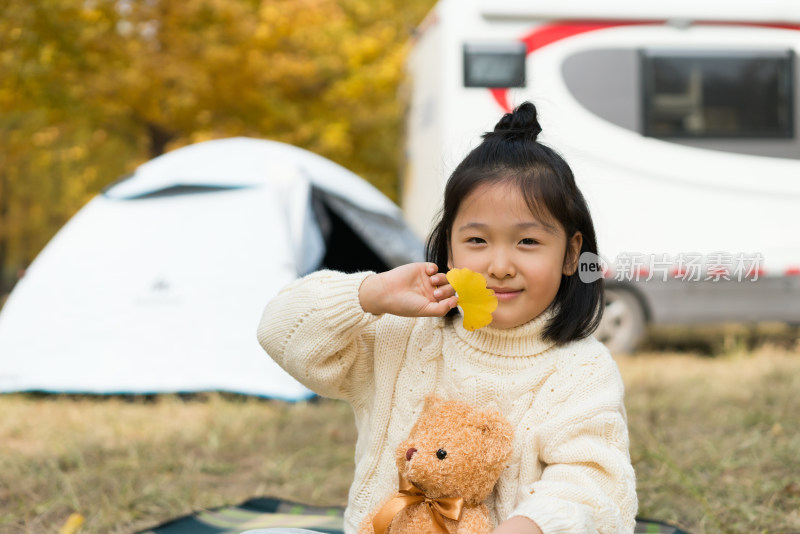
[(409, 494)]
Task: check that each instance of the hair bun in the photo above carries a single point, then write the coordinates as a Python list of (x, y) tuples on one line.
[(522, 123)]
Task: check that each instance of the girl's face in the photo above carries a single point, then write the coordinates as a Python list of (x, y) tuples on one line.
[(495, 234)]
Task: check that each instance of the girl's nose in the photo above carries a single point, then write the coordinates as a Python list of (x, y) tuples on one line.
[(409, 453), (501, 266)]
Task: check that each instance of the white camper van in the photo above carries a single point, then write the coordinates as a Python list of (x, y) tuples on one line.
[(680, 120)]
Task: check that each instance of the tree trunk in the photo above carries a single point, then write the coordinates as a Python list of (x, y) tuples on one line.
[(5, 286), (159, 137)]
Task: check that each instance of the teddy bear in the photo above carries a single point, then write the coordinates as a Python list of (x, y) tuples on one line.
[(447, 467)]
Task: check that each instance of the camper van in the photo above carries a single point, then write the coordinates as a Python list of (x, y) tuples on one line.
[(680, 120)]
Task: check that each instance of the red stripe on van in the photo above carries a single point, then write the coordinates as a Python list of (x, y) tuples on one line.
[(794, 270), (775, 25), (501, 96), (551, 33), (545, 35)]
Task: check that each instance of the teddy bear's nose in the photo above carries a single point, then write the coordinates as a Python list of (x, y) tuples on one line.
[(409, 453)]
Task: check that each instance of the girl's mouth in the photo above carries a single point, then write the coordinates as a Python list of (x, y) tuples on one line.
[(506, 294)]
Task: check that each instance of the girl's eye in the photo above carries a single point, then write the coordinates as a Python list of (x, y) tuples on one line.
[(476, 240), (529, 241)]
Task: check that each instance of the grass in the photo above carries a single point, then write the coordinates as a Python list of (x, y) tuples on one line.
[(715, 443), (127, 464)]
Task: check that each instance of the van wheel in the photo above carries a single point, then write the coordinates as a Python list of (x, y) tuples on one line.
[(623, 324)]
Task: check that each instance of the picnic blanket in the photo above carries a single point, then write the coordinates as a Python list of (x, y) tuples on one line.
[(271, 513)]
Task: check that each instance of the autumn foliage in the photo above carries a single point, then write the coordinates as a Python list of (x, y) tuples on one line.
[(89, 89)]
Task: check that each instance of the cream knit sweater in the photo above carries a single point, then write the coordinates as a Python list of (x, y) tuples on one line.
[(570, 470)]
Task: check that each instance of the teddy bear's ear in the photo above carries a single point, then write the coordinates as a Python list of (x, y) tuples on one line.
[(497, 433), (430, 408), (431, 401)]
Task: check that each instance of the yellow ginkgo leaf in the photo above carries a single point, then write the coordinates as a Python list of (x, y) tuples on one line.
[(475, 300), (73, 524)]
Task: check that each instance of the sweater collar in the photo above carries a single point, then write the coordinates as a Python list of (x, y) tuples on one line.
[(520, 341)]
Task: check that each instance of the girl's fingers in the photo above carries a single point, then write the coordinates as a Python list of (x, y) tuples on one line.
[(441, 308), (444, 292), (439, 279)]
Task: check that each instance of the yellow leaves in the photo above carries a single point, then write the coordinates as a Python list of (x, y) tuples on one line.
[(45, 137), (475, 300), (201, 135), (74, 153), (335, 137), (320, 74), (91, 15), (72, 525), (46, 54)]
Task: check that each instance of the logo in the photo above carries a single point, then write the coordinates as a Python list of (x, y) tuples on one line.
[(591, 267)]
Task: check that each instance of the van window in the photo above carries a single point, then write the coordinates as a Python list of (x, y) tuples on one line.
[(718, 93), (494, 64)]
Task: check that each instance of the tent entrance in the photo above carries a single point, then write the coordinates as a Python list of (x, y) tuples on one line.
[(360, 240), (345, 251)]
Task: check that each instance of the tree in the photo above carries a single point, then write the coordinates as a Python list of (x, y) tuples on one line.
[(95, 87)]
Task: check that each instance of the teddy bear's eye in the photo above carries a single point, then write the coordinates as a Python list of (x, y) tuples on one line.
[(441, 453)]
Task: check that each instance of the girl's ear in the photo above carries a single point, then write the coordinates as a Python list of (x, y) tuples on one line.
[(449, 255), (573, 254)]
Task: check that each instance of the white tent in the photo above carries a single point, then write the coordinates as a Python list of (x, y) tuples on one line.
[(158, 283)]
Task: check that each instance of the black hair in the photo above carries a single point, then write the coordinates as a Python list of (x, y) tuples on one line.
[(511, 154)]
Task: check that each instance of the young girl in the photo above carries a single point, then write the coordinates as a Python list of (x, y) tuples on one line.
[(382, 342)]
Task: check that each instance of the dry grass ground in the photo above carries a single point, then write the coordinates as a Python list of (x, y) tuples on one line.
[(715, 442), (129, 464)]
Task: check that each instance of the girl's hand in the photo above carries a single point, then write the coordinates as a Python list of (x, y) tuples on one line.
[(517, 525), (412, 290)]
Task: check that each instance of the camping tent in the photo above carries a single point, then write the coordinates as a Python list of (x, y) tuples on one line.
[(158, 283)]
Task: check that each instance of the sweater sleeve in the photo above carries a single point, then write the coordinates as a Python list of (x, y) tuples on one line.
[(317, 331), (587, 484)]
